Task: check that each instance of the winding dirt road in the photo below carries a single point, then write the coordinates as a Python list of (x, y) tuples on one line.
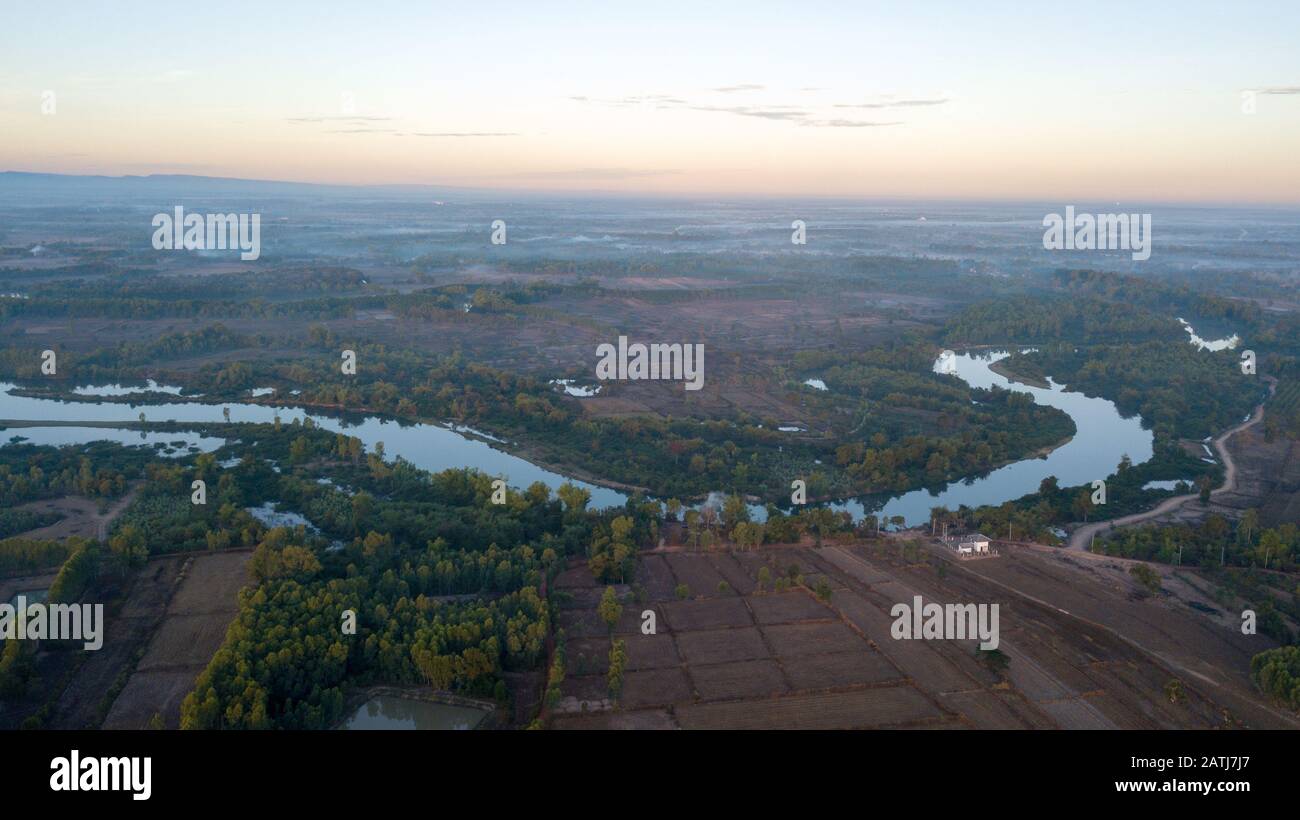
[(1082, 537)]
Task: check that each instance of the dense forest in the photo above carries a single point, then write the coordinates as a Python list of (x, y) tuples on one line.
[(446, 587)]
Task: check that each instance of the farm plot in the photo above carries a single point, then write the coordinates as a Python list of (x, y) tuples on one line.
[(722, 645), (713, 613), (743, 679), (192, 630), (788, 607), (866, 708), (697, 573)]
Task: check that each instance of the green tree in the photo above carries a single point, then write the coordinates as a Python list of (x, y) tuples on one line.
[(610, 609)]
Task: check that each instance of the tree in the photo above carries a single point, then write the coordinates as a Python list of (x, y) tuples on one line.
[(1249, 522), (821, 520), (574, 497), (734, 511), (617, 663), (610, 609), (823, 590), (362, 503), (128, 546), (1082, 505), (1174, 691), (674, 507), (1148, 578)]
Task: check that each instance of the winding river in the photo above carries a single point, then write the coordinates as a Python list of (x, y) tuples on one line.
[(1103, 438)]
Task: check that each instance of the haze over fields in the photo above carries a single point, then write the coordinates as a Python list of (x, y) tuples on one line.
[(568, 368)]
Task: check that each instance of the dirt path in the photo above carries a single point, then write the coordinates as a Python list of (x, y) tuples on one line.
[(1081, 538), (104, 521), (81, 515), (1175, 663)]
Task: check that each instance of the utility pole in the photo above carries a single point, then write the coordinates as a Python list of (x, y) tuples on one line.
[(1223, 548)]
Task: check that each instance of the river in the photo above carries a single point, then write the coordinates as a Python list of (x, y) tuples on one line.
[(1103, 437)]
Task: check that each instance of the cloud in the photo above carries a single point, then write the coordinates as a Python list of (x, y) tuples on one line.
[(348, 119), (464, 134), (1280, 90), (894, 103), (799, 115), (767, 113), (848, 124), (659, 100), (599, 173)]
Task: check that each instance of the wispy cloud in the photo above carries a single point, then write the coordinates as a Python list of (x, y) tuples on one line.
[(464, 134), (848, 124), (660, 100), (766, 113), (350, 119), (599, 173), (1280, 90), (894, 103), (796, 114)]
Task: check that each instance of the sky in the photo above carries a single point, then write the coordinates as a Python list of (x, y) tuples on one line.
[(1185, 101)]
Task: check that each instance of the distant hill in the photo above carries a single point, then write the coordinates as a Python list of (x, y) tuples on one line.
[(37, 187)]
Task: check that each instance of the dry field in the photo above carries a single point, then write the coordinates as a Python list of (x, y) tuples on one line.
[(191, 631), (1082, 649), (127, 631), (81, 516)]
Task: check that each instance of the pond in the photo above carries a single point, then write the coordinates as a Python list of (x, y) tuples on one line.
[(396, 712)]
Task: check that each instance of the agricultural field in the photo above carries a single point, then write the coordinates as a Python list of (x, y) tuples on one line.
[(738, 655)]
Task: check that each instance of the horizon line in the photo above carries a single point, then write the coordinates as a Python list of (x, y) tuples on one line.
[(660, 195)]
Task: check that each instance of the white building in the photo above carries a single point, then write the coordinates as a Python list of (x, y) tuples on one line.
[(969, 544)]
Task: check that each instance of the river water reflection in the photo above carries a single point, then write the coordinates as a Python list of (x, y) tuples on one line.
[(1104, 436)]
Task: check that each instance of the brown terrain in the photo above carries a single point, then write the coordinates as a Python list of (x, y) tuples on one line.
[(1085, 648), (191, 630), (81, 516)]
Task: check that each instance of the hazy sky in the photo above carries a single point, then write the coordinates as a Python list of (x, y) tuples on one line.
[(927, 99)]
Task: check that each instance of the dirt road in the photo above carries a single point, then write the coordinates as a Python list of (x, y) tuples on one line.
[(1081, 538)]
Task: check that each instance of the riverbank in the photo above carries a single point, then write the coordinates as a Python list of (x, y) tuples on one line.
[(1000, 367), (1081, 538)]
